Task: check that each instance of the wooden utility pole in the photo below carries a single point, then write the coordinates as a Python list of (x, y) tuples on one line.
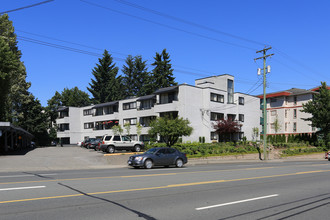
[(264, 98)]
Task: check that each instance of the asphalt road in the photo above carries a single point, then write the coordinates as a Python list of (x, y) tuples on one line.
[(285, 190)]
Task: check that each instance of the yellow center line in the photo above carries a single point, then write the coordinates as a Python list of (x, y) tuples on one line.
[(142, 175), (163, 187)]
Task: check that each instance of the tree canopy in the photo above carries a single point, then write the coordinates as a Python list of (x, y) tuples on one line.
[(225, 128), (106, 86), (319, 107), (169, 129), (162, 73)]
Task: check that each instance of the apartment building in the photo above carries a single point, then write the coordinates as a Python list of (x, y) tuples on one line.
[(285, 108), (211, 99)]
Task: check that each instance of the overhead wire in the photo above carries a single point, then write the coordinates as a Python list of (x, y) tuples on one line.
[(167, 26), (25, 7), (187, 22)]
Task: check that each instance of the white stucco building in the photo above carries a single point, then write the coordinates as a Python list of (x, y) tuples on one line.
[(211, 99), (285, 107)]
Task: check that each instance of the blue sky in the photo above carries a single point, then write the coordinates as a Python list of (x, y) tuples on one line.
[(203, 38)]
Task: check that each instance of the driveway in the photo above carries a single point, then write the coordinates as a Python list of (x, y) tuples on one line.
[(59, 158)]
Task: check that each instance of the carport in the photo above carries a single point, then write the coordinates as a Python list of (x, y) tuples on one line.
[(12, 137)]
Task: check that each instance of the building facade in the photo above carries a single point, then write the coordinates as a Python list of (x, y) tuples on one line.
[(211, 99), (284, 115)]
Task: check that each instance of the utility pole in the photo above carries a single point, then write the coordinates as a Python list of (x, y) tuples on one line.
[(264, 98)]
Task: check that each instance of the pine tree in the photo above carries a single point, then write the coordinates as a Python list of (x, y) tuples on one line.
[(128, 78), (162, 73), (107, 86)]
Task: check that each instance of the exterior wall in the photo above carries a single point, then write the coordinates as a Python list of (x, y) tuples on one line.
[(192, 103), (284, 110)]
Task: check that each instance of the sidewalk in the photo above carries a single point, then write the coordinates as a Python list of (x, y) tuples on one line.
[(73, 157)]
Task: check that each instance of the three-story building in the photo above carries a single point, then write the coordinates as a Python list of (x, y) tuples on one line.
[(211, 99)]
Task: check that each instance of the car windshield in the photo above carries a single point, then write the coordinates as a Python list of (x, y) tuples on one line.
[(151, 151)]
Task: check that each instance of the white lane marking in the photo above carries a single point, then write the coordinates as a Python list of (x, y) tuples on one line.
[(49, 174), (231, 203), (17, 188)]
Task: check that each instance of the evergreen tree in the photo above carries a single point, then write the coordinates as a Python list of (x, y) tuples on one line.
[(319, 107), (53, 104), (137, 79), (128, 79), (74, 97), (8, 67), (107, 86), (162, 74)]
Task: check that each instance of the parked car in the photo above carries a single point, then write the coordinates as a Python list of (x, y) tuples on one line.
[(92, 144), (327, 155), (117, 142), (87, 141), (159, 156)]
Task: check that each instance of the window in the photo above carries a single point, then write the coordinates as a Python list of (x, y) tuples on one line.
[(130, 105), (294, 127), (116, 138), (88, 112), (110, 109), (241, 100), (146, 104), (230, 89), (286, 126), (64, 114), (273, 100), (131, 121), (231, 117), (145, 121), (214, 136), (217, 98), (107, 138), (241, 117), (125, 138), (216, 116), (286, 113), (63, 127), (295, 100), (88, 125), (294, 113), (99, 111)]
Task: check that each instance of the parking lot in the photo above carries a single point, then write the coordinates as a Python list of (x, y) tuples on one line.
[(67, 157)]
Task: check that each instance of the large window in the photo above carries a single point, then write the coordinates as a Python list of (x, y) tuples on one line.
[(129, 105), (216, 116), (88, 125), (145, 121), (88, 112), (146, 104), (217, 98), (63, 127), (230, 89), (294, 113), (131, 121), (110, 109), (214, 136), (99, 111), (294, 127), (165, 98)]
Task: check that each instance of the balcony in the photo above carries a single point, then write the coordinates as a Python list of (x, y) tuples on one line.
[(167, 107)]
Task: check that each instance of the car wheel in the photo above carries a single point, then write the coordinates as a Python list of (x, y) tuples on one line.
[(179, 163), (111, 150), (148, 164), (137, 148)]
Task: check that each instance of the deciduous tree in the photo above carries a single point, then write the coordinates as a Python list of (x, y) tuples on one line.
[(169, 129)]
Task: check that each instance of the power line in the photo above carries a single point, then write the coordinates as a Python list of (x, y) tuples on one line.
[(187, 22), (28, 6), (167, 26)]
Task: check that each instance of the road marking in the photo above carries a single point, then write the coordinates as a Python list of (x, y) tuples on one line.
[(18, 188), (236, 202), (162, 187), (47, 174), (165, 174)]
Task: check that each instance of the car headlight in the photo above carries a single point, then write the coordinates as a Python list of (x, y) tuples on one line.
[(138, 158)]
